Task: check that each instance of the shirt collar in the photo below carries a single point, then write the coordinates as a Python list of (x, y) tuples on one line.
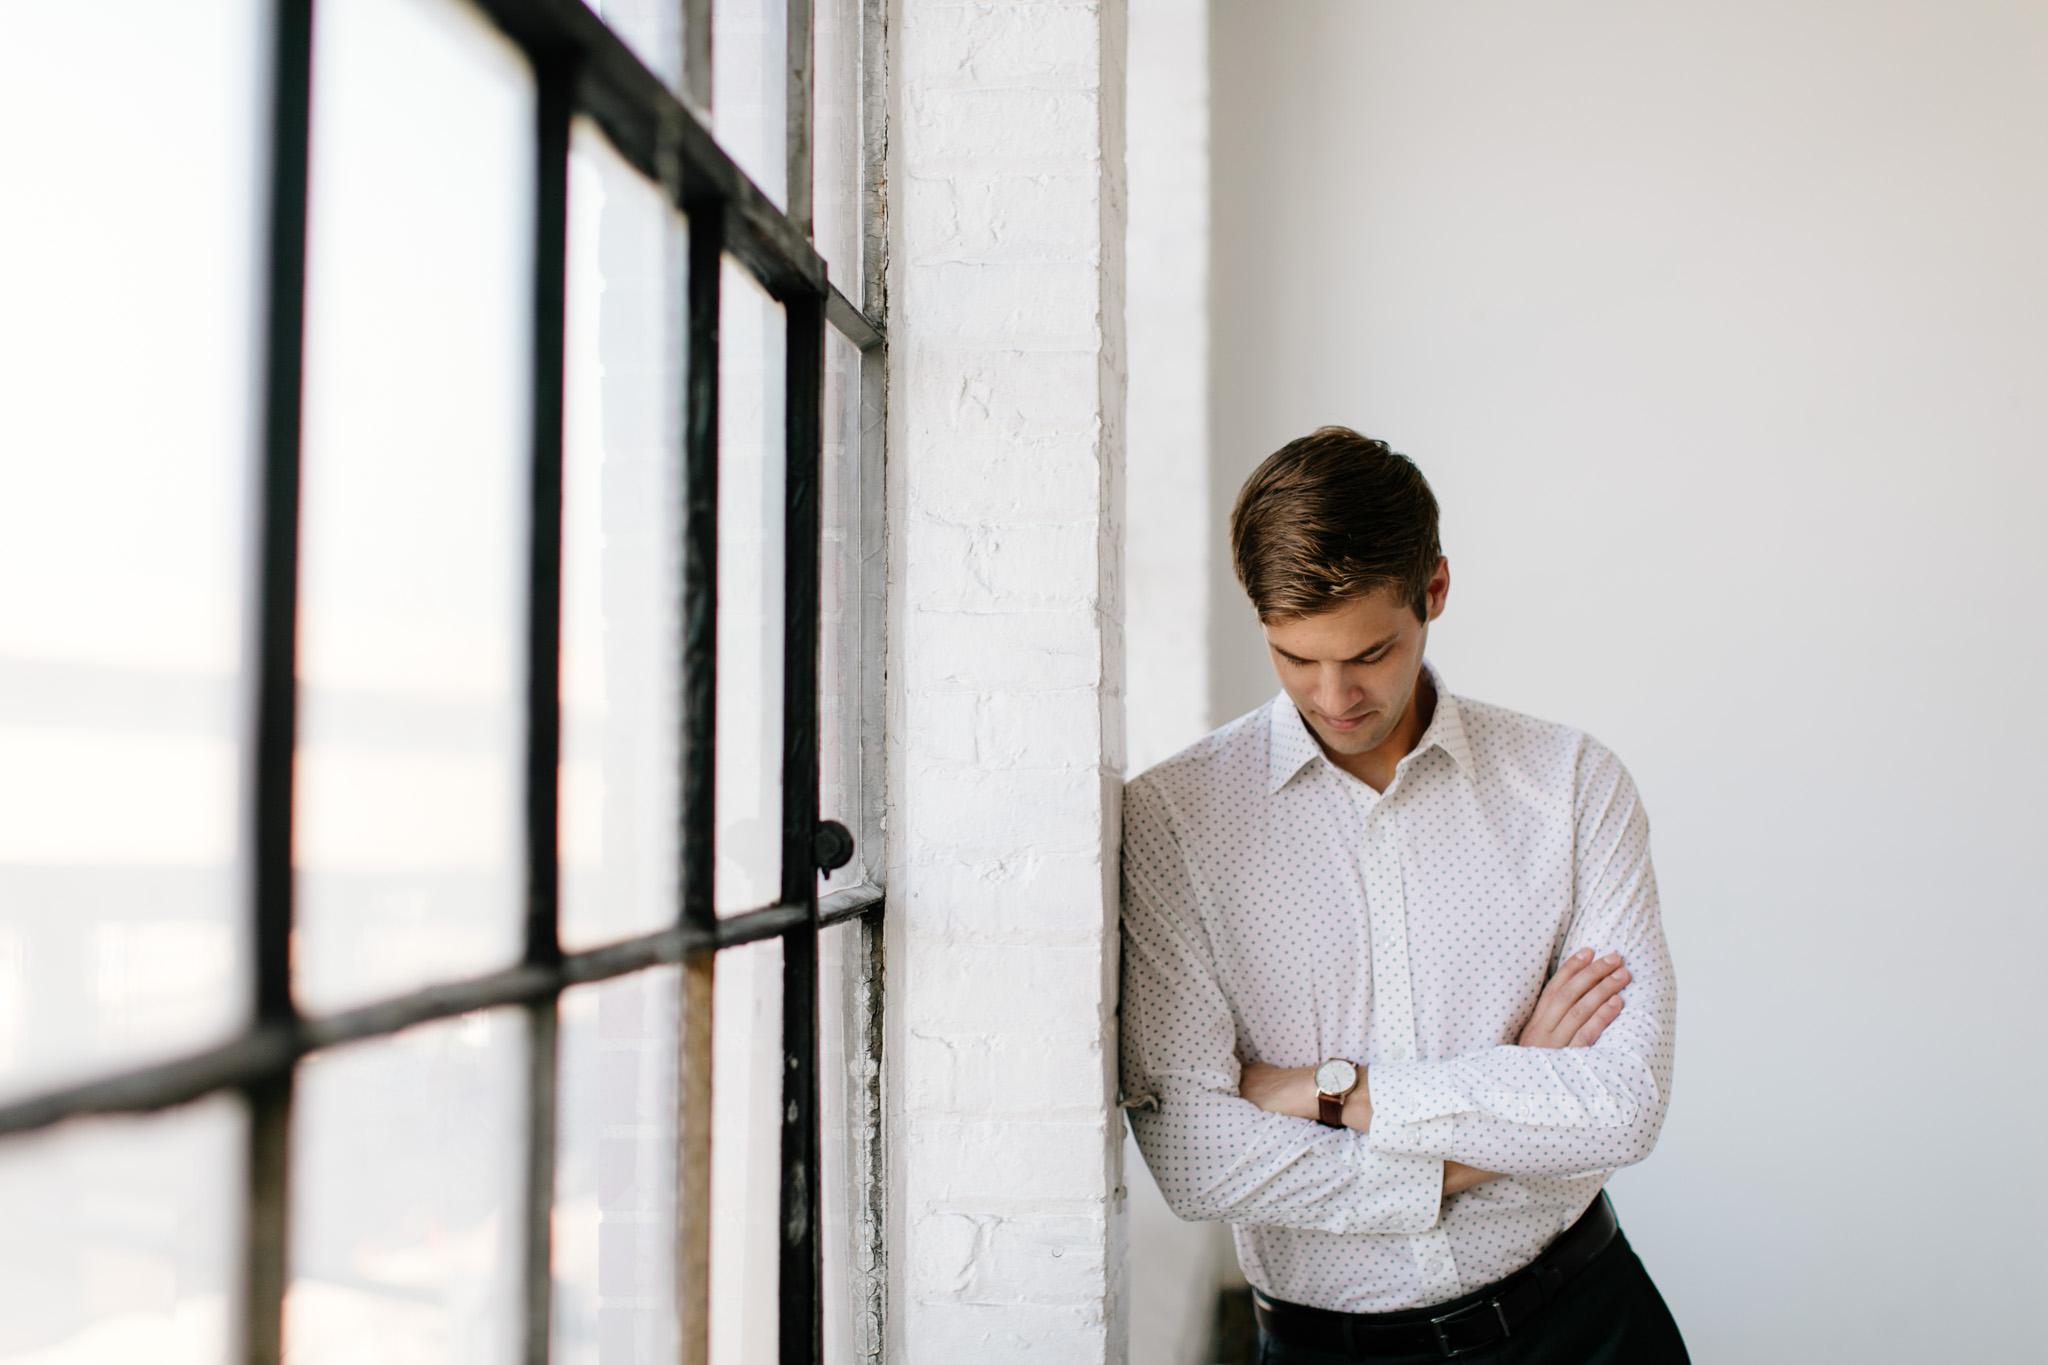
[(1293, 746)]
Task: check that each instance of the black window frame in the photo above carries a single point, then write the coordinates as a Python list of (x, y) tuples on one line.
[(581, 67)]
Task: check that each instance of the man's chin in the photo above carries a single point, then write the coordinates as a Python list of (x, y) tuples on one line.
[(1364, 739)]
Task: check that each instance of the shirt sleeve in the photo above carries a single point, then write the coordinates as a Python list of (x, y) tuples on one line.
[(1217, 1156), (1567, 1111)]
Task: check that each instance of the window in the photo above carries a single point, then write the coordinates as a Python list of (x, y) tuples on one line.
[(440, 916)]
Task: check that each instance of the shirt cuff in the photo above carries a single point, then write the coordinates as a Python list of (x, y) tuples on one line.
[(1406, 1193), (1415, 1108)]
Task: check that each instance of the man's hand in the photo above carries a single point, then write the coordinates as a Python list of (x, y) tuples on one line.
[(1573, 1011), (1578, 1004)]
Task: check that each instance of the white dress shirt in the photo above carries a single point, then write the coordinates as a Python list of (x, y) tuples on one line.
[(1277, 909)]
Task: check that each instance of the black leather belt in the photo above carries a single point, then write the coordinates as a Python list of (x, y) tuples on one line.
[(1459, 1327)]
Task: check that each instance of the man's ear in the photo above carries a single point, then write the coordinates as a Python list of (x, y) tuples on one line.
[(1439, 590)]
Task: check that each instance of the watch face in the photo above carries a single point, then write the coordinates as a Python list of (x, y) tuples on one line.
[(1336, 1077)]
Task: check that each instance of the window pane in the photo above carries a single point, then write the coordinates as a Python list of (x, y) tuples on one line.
[(621, 551), (849, 1107), (653, 29), (615, 1202), (126, 376), (750, 576), (408, 1157), (848, 583), (749, 89), (418, 296), (121, 1238), (746, 1153), (836, 140)]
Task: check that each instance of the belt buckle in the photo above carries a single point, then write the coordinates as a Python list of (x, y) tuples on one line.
[(1443, 1340)]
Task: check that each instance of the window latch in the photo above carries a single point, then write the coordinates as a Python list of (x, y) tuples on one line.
[(831, 846)]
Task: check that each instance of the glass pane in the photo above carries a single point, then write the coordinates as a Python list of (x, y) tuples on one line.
[(131, 133), (621, 551), (845, 590), (750, 576), (836, 140), (653, 29), (746, 1153), (418, 295), (408, 1157), (615, 1199), (121, 1240), (849, 1110), (750, 91)]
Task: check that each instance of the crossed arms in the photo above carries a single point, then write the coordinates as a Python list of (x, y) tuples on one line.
[(1573, 1011), (1236, 1141)]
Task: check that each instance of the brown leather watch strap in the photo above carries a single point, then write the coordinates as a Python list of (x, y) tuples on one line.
[(1330, 1110)]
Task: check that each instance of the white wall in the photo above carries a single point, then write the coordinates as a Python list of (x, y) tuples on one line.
[(1720, 330), (1175, 1268), (1166, 252), (1005, 681)]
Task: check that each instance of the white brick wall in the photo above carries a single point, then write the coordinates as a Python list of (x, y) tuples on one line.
[(1174, 532), (1006, 405)]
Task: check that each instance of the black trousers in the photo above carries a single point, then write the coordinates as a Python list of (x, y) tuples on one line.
[(1610, 1314)]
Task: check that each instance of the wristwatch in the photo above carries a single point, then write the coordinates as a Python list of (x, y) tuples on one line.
[(1335, 1080)]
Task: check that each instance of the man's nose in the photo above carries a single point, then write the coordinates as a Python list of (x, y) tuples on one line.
[(1334, 692)]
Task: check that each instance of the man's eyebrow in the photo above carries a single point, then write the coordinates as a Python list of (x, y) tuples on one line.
[(1359, 657), (1362, 655)]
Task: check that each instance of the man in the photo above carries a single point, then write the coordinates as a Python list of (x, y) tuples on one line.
[(1339, 915)]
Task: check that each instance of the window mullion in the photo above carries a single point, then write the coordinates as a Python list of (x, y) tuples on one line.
[(874, 157), (554, 81), (268, 803), (700, 676), (265, 1250), (802, 1269), (697, 57), (797, 111)]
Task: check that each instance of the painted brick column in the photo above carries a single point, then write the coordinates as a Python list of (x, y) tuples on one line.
[(1006, 668)]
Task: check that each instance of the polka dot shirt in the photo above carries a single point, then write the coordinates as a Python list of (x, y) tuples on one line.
[(1276, 909)]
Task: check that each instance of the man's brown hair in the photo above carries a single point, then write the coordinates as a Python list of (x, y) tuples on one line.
[(1331, 518)]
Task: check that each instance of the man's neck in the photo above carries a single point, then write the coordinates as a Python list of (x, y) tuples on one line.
[(1375, 767)]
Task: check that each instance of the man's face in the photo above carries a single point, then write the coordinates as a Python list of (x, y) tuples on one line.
[(1352, 671)]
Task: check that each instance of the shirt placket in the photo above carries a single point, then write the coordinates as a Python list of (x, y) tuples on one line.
[(1393, 1002)]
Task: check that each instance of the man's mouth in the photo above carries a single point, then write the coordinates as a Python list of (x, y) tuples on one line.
[(1342, 725)]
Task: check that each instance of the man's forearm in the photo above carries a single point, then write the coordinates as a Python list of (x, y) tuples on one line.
[(1292, 1090), (1582, 999)]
